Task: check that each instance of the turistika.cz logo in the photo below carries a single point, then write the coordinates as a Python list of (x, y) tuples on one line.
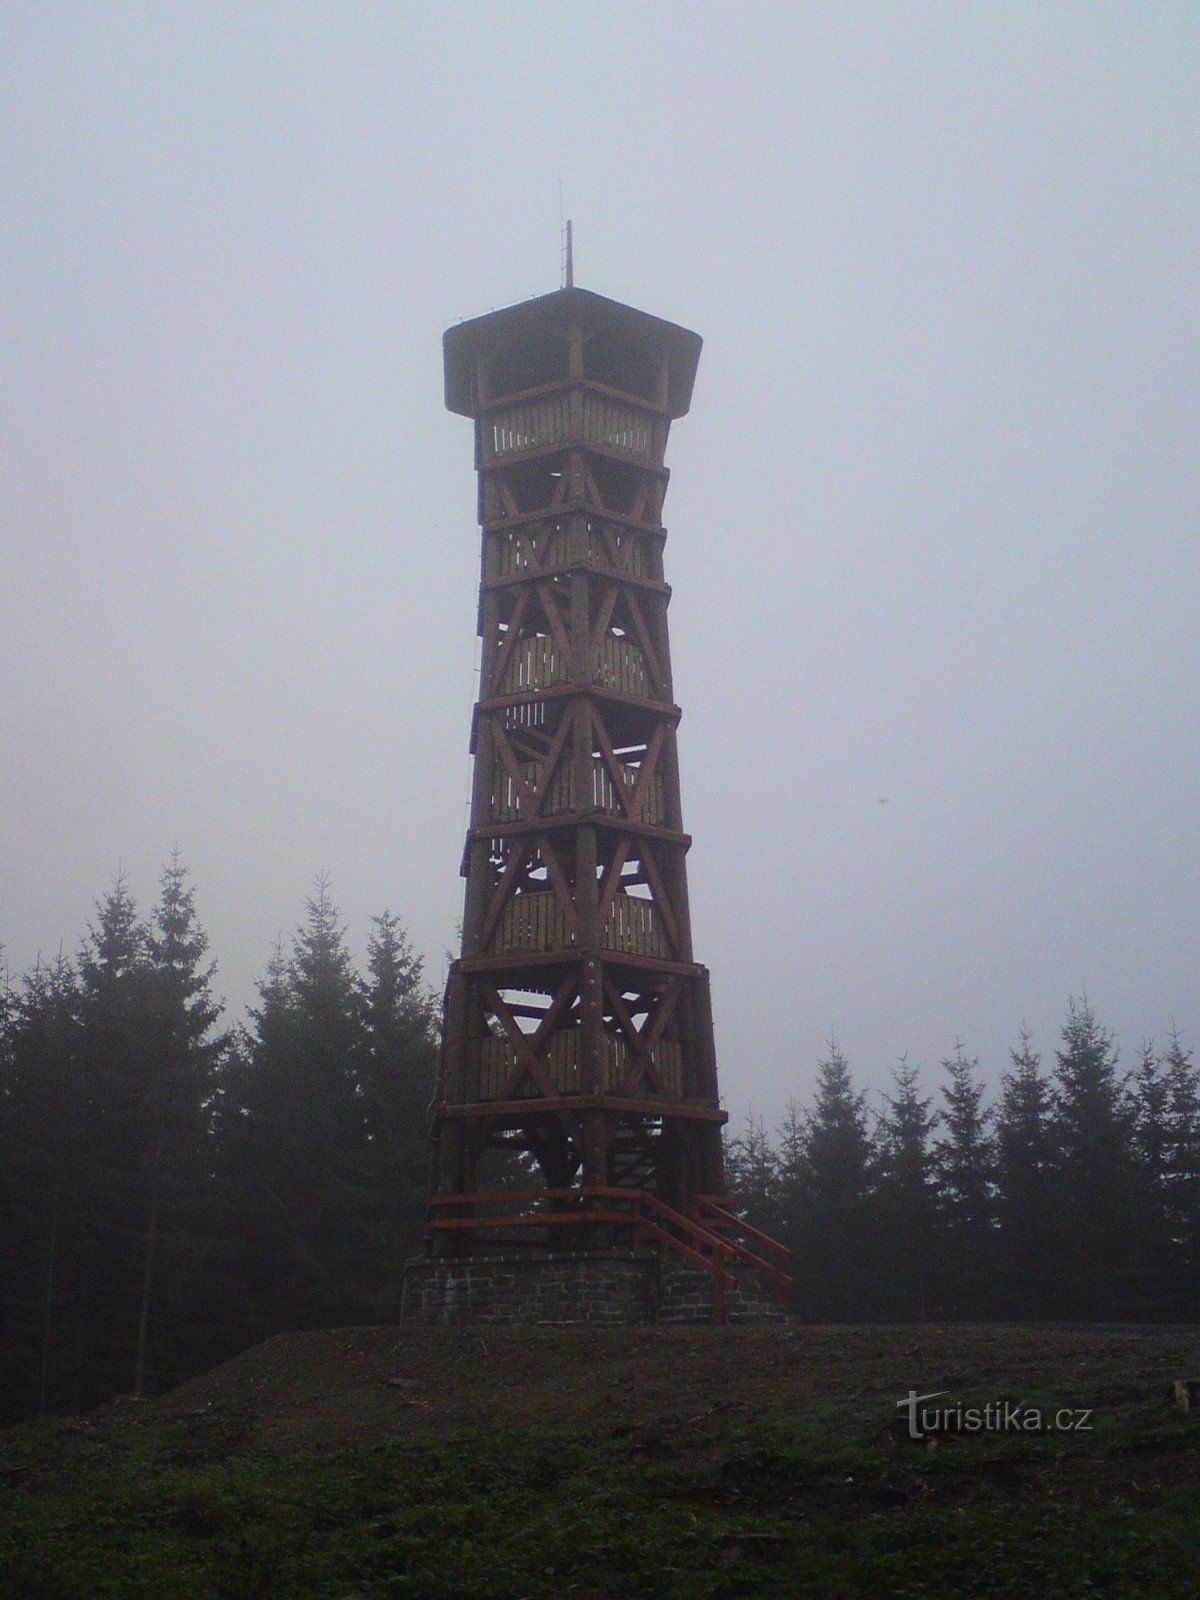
[(997, 1416)]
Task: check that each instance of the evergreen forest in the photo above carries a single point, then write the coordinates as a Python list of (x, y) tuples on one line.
[(174, 1189), (1074, 1196)]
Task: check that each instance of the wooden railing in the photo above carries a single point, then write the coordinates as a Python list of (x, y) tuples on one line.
[(607, 424), (535, 663), (544, 545), (614, 426), (560, 797), (633, 927), (532, 424), (539, 663), (768, 1255), (621, 667), (559, 1059), (525, 550), (636, 1212), (536, 921)]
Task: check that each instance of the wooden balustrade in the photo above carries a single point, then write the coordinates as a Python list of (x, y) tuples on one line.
[(526, 550), (535, 921), (528, 426), (607, 424), (561, 796), (614, 426), (633, 926), (538, 663), (559, 1061), (622, 668)]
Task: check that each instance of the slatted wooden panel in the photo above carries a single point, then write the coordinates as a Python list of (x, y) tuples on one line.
[(536, 663), (633, 927), (561, 798), (614, 426), (496, 1058), (559, 1060), (533, 921), (632, 551), (530, 715), (622, 668), (517, 553), (604, 793), (667, 1056), (537, 422)]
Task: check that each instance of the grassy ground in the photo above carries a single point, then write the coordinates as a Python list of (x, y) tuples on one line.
[(804, 1494)]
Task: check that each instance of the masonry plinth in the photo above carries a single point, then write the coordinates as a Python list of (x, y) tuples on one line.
[(595, 1289), (577, 1056)]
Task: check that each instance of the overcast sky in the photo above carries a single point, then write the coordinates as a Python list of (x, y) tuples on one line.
[(933, 518)]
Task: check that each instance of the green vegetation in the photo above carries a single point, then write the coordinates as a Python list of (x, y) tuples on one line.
[(832, 1500), (172, 1191)]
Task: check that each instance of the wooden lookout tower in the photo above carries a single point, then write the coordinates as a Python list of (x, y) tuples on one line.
[(578, 1026)]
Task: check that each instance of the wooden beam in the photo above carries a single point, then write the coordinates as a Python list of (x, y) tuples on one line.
[(506, 1110)]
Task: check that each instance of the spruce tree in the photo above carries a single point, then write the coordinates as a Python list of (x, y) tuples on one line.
[(752, 1176), (255, 1113), (964, 1166), (1182, 1180), (834, 1233), (177, 1242), (1097, 1187), (45, 1134), (1151, 1154), (907, 1198), (1026, 1209), (297, 1151), (399, 1069), (791, 1177), (119, 1054)]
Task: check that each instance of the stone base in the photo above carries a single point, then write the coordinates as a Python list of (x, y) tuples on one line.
[(596, 1289)]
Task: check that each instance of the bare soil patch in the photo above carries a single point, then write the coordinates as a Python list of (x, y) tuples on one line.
[(354, 1385)]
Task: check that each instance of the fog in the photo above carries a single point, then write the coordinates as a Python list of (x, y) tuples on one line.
[(933, 517)]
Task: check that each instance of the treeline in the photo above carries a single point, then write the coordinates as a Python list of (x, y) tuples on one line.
[(173, 1189), (1074, 1196)]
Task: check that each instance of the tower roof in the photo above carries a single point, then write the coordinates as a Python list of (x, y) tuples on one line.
[(551, 314)]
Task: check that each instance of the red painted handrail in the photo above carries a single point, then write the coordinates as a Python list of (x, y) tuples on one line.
[(700, 1243), (718, 1215)]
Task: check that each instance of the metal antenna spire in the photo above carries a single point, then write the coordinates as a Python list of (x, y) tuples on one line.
[(570, 257)]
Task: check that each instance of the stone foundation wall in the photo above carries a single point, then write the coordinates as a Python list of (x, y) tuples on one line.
[(600, 1289), (686, 1295)]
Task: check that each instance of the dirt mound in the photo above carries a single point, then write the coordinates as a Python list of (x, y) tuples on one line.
[(353, 1385)]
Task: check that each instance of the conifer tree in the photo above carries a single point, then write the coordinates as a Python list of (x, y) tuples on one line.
[(1097, 1193), (964, 1168), (399, 1069), (790, 1174), (255, 1113), (45, 1146), (907, 1196), (1025, 1196), (177, 1237), (1182, 1179), (1151, 1153), (752, 1176), (119, 1054), (835, 1235), (298, 1157)]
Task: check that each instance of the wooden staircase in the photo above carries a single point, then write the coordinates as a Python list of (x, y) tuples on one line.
[(713, 1238)]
